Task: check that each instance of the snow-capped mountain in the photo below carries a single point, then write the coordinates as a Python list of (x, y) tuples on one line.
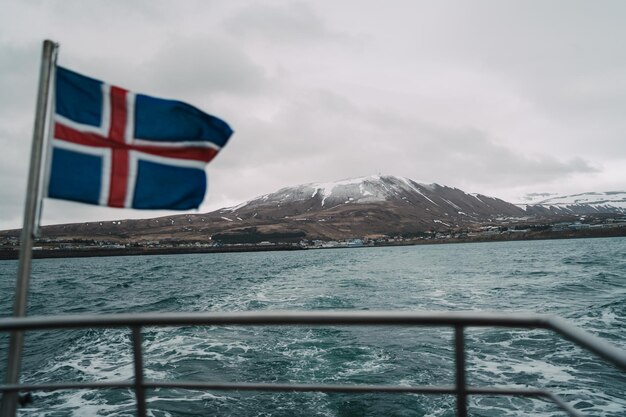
[(585, 203), (359, 207), (367, 205), (358, 192), (373, 205)]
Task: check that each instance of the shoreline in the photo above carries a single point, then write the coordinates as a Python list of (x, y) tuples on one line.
[(13, 254), (102, 252)]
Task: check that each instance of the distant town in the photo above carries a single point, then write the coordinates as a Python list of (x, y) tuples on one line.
[(377, 210), (584, 226)]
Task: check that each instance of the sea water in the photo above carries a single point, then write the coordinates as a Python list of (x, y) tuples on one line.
[(583, 281)]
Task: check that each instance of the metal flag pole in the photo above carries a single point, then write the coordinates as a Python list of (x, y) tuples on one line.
[(14, 361)]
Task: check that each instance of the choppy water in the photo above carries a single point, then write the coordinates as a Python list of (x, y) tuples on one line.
[(583, 281)]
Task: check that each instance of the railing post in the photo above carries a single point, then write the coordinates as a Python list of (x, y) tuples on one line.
[(461, 388), (138, 364)]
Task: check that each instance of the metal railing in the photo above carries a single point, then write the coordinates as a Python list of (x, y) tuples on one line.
[(457, 320)]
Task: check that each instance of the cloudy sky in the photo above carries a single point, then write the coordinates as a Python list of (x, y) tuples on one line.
[(502, 98)]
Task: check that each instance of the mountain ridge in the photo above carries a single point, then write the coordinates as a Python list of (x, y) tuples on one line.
[(375, 205), (579, 204)]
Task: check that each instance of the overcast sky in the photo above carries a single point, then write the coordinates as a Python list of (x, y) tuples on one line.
[(502, 98)]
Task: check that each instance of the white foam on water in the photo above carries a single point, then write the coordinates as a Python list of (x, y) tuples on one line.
[(549, 373), (101, 356), (83, 404), (375, 361), (170, 347), (308, 352), (572, 383), (108, 357)]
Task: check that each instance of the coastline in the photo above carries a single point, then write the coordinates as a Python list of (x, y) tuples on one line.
[(13, 254), (101, 252)]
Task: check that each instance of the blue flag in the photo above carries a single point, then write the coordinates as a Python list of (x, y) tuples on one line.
[(116, 148)]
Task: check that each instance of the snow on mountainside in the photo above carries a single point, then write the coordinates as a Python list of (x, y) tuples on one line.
[(377, 189), (585, 203), (355, 190), (377, 205), (382, 204)]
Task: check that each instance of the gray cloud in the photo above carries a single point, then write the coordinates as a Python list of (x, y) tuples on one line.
[(489, 96), (322, 137), (13, 173), (293, 22), (18, 81), (564, 57), (482, 161), (203, 66)]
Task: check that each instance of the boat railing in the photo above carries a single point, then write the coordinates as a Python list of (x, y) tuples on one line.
[(459, 321)]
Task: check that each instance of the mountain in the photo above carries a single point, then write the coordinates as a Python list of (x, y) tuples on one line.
[(611, 202), (354, 208), (371, 205), (367, 206)]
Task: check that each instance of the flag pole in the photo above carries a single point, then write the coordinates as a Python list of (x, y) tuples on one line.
[(33, 196)]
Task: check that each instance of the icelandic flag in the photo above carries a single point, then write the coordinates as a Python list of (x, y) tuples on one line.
[(115, 148)]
